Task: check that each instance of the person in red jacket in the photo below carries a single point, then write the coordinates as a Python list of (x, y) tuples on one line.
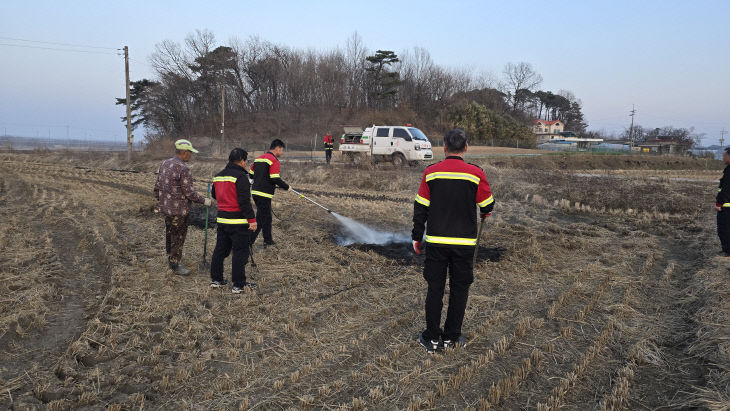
[(236, 219), (329, 146), (446, 203), (266, 176)]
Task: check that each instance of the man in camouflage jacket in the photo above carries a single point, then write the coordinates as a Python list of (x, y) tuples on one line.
[(174, 190)]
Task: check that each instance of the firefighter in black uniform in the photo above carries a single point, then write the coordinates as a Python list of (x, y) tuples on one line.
[(722, 204), (447, 198), (236, 219), (265, 172)]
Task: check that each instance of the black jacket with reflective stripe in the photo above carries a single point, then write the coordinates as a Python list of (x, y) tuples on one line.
[(242, 193), (447, 199), (265, 171)]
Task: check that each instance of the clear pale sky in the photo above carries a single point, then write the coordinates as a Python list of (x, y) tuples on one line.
[(669, 58)]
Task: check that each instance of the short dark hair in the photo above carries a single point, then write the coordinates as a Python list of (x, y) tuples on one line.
[(455, 141), (727, 150), (237, 154), (277, 143)]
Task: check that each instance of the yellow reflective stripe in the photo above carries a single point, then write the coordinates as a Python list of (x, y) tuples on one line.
[(261, 194), (719, 189), (250, 171), (219, 179), (451, 240), (486, 202), (453, 176), (726, 205), (264, 160), (274, 175), (422, 200), (232, 220)]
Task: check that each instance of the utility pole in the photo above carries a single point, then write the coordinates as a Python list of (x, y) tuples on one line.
[(223, 117), (722, 136), (129, 108), (631, 130)]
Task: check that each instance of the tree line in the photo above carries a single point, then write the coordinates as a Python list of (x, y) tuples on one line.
[(269, 90)]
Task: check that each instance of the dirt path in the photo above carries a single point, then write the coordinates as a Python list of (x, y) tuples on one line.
[(70, 263)]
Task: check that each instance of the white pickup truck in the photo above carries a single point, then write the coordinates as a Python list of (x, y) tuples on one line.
[(399, 144)]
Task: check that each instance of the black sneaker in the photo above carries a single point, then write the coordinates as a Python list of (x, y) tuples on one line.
[(430, 346), (218, 284), (239, 290), (269, 243), (459, 342)]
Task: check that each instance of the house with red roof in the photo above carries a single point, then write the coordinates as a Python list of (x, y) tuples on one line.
[(547, 129)]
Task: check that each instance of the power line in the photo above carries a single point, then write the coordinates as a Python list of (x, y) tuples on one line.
[(58, 49), (59, 44)]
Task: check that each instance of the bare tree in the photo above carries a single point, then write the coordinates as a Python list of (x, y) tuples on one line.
[(276, 90), (355, 62), (520, 76)]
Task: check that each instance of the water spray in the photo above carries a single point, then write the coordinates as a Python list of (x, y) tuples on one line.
[(358, 232)]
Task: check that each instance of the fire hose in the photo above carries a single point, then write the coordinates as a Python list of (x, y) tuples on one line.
[(310, 200)]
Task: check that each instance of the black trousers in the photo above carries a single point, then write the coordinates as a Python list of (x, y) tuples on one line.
[(231, 237), (328, 155), (723, 229), (457, 262), (263, 218)]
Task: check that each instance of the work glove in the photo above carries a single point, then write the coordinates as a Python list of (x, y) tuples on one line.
[(208, 202), (417, 247), (485, 215), (290, 188)]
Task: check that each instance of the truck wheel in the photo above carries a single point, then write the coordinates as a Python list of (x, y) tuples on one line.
[(398, 160)]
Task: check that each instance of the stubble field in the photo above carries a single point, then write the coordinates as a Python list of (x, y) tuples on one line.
[(602, 290)]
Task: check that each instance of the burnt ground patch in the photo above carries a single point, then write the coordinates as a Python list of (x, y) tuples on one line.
[(403, 254), (196, 216)]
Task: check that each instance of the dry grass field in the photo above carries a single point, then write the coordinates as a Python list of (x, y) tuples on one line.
[(603, 291)]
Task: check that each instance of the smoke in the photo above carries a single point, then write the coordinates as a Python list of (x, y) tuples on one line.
[(358, 233)]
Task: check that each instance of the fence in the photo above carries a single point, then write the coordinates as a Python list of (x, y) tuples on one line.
[(593, 148)]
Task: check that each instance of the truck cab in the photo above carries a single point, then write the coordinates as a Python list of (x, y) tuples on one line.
[(399, 144)]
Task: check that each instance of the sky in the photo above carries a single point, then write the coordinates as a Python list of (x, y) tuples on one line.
[(671, 59)]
